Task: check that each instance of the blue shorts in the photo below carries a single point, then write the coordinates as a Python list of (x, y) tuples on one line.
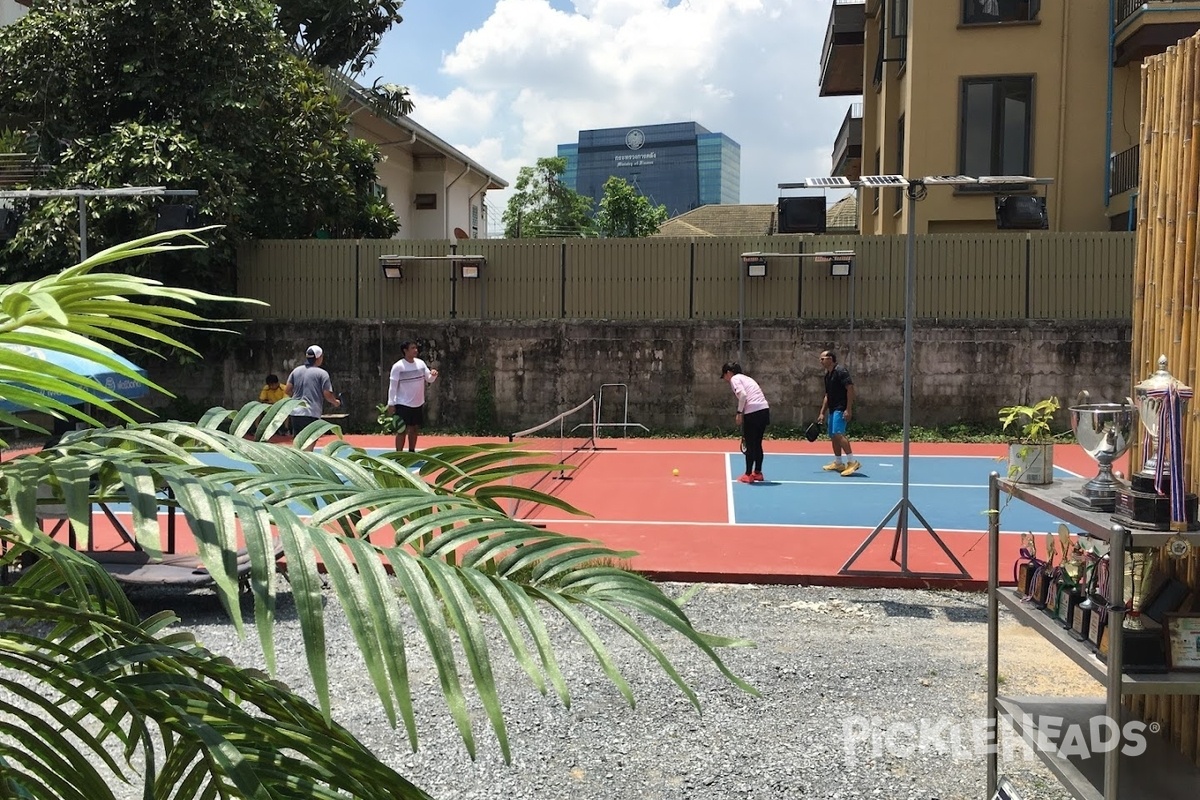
[(837, 423)]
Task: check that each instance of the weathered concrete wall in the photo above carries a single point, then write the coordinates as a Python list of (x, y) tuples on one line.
[(962, 371)]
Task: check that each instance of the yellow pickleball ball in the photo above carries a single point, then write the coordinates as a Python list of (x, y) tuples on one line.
[(674, 472)]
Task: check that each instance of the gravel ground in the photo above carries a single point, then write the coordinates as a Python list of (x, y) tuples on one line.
[(826, 661)]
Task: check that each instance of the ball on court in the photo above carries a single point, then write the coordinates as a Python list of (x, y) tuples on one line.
[(674, 472)]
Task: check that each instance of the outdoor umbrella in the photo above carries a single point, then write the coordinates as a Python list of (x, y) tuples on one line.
[(56, 370)]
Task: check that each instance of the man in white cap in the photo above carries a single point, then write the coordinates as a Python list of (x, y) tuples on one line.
[(310, 382)]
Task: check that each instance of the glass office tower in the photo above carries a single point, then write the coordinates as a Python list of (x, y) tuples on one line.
[(681, 165)]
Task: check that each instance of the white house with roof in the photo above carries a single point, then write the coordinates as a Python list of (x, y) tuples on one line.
[(436, 190)]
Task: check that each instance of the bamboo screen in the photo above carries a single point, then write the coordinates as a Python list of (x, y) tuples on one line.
[(1165, 286)]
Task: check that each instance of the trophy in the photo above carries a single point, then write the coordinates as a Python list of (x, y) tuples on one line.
[(1103, 430), (1156, 499), (1073, 571), (1144, 650)]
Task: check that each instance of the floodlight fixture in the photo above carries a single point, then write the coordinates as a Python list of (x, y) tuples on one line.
[(756, 265), (469, 270), (392, 266), (840, 266)]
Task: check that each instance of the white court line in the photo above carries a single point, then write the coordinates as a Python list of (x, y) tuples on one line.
[(543, 520), (860, 483), (729, 504), (771, 454)]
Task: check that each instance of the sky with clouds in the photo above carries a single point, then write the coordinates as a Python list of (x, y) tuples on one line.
[(506, 81)]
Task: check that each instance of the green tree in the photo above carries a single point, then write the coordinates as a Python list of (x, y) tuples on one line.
[(187, 95), (343, 34), (625, 212), (541, 207), (89, 689)]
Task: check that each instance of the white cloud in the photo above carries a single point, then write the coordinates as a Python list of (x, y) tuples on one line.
[(532, 76)]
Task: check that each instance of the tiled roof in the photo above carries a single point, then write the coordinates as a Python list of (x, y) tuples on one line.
[(751, 220)]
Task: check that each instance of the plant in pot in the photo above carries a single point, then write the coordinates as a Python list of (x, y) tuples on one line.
[(1031, 453)]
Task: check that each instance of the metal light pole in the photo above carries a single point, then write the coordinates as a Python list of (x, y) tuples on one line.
[(915, 190)]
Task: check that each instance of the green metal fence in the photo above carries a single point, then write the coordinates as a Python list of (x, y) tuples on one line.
[(1076, 276)]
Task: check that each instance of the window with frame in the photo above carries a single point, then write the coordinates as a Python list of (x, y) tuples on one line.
[(983, 12), (425, 201), (899, 30), (995, 126)]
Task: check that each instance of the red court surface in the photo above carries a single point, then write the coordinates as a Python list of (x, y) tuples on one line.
[(682, 527)]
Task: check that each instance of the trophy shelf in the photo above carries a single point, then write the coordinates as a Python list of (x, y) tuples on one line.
[(1051, 498), (1159, 773), (1133, 683)]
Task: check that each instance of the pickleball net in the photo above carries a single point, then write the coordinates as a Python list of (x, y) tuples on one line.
[(567, 438)]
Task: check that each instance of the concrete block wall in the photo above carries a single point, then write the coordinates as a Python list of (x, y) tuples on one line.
[(962, 372)]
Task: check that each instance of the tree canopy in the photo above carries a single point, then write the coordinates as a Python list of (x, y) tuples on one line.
[(625, 212), (541, 206), (190, 94)]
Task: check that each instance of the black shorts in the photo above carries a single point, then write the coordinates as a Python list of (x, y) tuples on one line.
[(410, 415), (299, 423)]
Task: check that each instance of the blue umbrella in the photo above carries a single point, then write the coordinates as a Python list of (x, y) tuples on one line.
[(116, 384)]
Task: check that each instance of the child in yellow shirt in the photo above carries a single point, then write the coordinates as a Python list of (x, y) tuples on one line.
[(272, 392)]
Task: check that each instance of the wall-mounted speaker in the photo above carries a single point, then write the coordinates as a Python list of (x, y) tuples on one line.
[(175, 217), (1021, 212), (802, 214), (9, 222)]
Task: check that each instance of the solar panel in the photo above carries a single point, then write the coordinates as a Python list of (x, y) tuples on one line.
[(883, 180), (827, 183), (934, 180), (1006, 179)]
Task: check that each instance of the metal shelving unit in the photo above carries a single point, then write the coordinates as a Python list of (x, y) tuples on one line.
[(1159, 773)]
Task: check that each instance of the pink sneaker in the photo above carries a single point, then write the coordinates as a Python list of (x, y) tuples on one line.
[(756, 477), (746, 478)]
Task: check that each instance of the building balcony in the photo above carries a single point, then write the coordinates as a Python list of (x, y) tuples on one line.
[(842, 56), (19, 170), (1147, 27), (847, 147), (1124, 171)]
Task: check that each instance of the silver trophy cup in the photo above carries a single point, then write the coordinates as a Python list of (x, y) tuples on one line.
[(1103, 430)]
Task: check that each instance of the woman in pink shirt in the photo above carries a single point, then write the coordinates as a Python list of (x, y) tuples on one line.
[(753, 416)]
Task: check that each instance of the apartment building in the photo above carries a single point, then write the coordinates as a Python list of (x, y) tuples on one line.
[(1041, 88)]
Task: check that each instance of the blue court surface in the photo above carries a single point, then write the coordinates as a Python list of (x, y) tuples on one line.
[(950, 492)]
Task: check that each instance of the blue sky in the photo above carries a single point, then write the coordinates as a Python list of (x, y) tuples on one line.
[(506, 81)]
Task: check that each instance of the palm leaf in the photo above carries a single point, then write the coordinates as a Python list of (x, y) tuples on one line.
[(436, 543)]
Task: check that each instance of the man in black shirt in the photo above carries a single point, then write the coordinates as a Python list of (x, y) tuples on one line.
[(839, 404)]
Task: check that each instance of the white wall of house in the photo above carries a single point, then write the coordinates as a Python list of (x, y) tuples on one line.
[(11, 11), (432, 187)]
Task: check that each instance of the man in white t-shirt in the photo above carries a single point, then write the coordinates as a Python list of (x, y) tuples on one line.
[(406, 394)]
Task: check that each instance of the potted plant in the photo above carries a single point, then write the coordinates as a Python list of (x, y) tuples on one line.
[(1031, 454)]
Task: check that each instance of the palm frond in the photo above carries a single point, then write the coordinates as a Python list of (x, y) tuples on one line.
[(390, 538)]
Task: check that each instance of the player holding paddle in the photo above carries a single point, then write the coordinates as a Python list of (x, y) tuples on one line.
[(753, 416), (406, 394), (838, 402)]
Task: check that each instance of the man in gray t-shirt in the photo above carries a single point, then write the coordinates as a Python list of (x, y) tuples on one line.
[(310, 382)]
